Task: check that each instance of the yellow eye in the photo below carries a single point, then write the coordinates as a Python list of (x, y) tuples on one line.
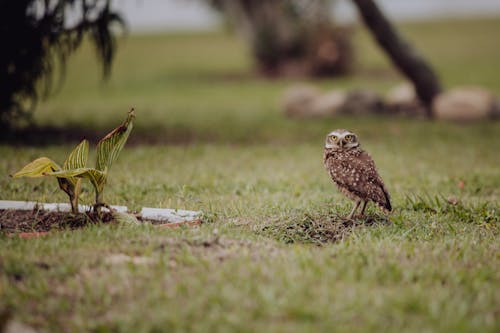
[(348, 137), (333, 138)]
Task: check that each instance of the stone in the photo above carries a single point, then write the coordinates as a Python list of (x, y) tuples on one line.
[(403, 100), (297, 100), (20, 205), (51, 207), (328, 104), (169, 215), (402, 93), (363, 101), (465, 104), (173, 217)]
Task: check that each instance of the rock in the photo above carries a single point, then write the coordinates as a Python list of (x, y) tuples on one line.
[(328, 104), (51, 207), (297, 100), (465, 104), (364, 101), (401, 94), (20, 205), (169, 215), (403, 100)]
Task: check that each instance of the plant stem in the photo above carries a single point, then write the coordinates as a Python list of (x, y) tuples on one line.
[(74, 203), (98, 203)]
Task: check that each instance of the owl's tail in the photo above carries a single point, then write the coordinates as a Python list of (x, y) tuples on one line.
[(386, 205)]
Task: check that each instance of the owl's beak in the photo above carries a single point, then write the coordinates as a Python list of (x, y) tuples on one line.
[(341, 143)]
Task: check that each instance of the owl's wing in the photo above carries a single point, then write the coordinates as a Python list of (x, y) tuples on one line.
[(364, 181)]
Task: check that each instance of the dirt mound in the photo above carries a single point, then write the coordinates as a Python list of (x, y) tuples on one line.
[(317, 229)]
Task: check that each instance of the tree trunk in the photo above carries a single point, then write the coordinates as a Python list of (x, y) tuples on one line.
[(402, 54), (290, 37)]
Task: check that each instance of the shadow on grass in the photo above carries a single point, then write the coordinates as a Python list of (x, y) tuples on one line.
[(318, 229), (48, 135)]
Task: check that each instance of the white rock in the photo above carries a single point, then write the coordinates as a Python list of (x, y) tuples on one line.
[(465, 104), (403, 93), (60, 207), (403, 100), (363, 101), (148, 213), (19, 205), (297, 100), (52, 207), (64, 207), (328, 104), (169, 215)]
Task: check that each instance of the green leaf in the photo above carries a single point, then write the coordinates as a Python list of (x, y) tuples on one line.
[(110, 146), (96, 177), (70, 184), (38, 168), (78, 157)]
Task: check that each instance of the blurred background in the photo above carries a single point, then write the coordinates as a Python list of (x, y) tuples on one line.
[(245, 71), (160, 15)]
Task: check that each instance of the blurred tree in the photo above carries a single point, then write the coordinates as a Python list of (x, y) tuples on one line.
[(402, 54), (36, 35), (290, 37)]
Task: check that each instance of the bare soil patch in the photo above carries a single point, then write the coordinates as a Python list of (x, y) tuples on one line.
[(42, 221), (15, 221)]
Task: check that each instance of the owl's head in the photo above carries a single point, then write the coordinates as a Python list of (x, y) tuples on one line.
[(341, 139)]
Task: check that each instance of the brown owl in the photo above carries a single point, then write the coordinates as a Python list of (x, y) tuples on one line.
[(354, 171)]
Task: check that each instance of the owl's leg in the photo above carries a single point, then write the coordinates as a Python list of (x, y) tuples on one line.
[(358, 202), (363, 207)]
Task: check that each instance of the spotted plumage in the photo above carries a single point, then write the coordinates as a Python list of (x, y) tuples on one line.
[(354, 172)]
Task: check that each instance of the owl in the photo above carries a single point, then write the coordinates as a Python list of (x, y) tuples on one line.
[(354, 172)]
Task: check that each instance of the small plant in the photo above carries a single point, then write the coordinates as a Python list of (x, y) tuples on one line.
[(71, 185), (74, 168)]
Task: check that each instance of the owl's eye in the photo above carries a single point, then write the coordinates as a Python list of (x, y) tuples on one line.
[(349, 137), (333, 138)]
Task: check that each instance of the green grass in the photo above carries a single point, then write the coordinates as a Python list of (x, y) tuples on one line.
[(222, 146)]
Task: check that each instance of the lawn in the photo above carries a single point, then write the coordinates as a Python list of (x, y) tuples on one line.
[(210, 136)]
